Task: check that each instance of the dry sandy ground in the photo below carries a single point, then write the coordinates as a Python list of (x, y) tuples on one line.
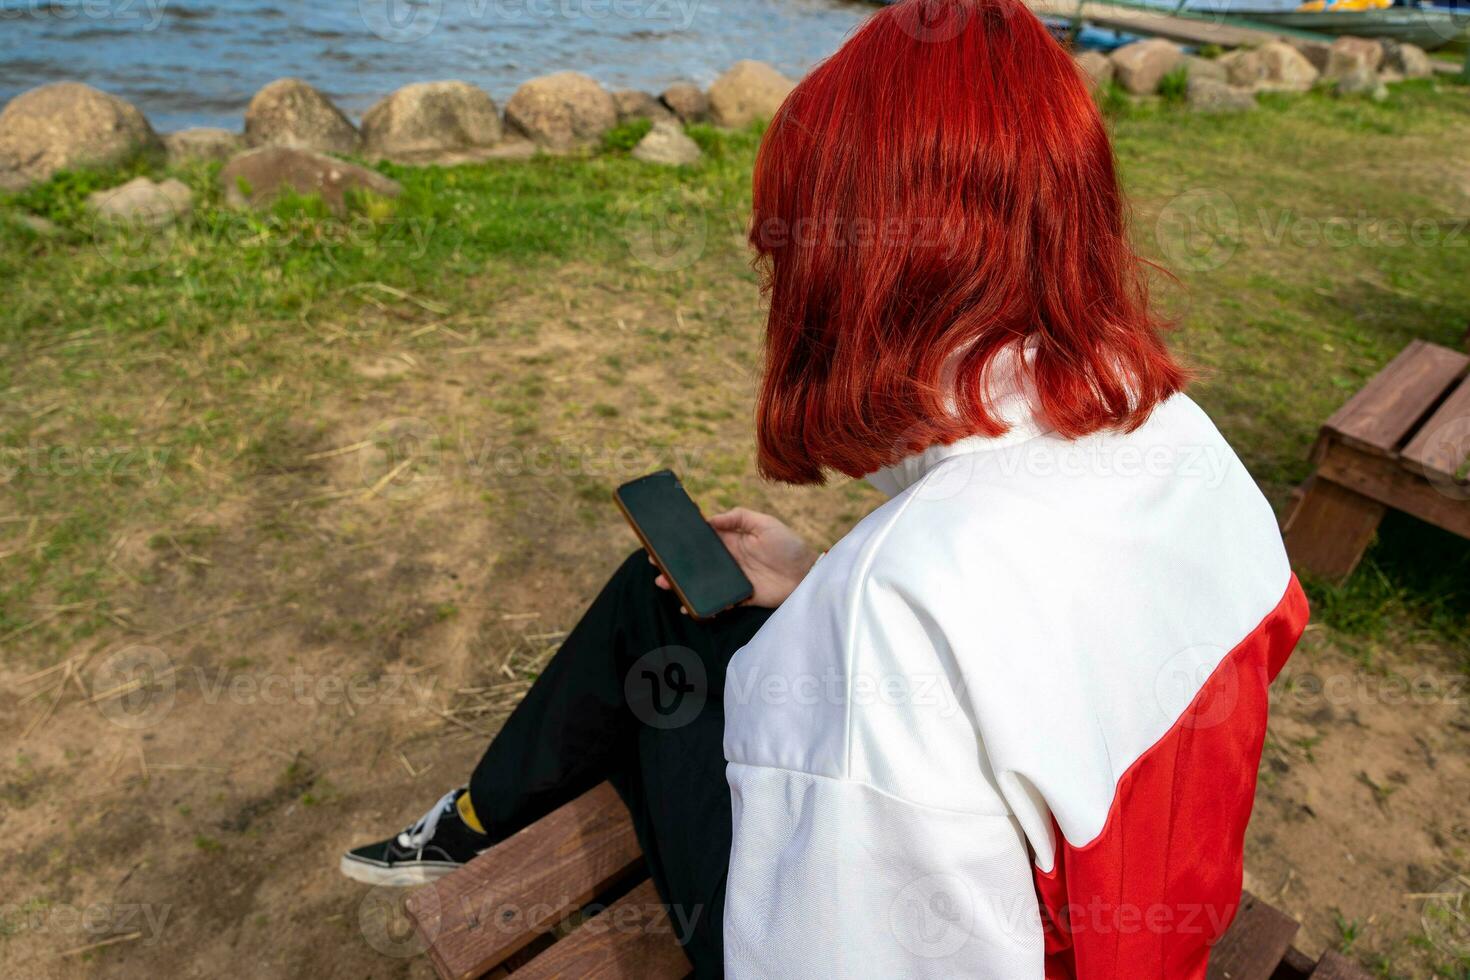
[(1362, 810), (306, 633)]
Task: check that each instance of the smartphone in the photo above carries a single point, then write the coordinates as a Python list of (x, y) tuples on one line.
[(683, 545)]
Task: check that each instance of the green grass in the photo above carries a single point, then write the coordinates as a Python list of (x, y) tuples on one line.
[(179, 358), (1316, 295), (1174, 87), (622, 138), (296, 260), (1415, 574)]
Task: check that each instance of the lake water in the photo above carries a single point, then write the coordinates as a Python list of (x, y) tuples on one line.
[(196, 63)]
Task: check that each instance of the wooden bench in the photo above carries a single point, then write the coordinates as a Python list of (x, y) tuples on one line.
[(569, 897), (511, 909), (1400, 442)]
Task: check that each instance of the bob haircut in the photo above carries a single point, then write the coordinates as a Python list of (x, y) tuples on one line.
[(938, 191)]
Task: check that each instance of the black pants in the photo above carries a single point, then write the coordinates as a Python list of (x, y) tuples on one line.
[(634, 696)]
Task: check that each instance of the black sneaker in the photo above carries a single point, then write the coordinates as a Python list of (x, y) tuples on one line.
[(436, 845)]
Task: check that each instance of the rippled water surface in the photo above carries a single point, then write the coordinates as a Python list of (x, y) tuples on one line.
[(192, 63)]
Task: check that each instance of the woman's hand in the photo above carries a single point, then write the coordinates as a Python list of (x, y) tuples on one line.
[(767, 551)]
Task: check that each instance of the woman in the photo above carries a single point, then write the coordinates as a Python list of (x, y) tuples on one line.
[(1009, 725)]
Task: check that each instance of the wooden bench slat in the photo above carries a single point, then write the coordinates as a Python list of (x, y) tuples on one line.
[(1295, 965), (1254, 944), (1334, 966), (1388, 482), (632, 939), (1380, 416), (1441, 443), (475, 918)]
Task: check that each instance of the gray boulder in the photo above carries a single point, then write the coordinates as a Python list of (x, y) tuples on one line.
[(1212, 95), (666, 143), (289, 112), (142, 202), (633, 104), (256, 177), (748, 91), (1274, 66), (1406, 60), (1317, 52), (1350, 53), (1140, 66), (687, 101), (562, 112), (1095, 67), (204, 143), (1205, 68), (1361, 80), (430, 118), (65, 125)]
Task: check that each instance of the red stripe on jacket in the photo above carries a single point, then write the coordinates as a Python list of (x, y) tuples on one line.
[(1150, 894)]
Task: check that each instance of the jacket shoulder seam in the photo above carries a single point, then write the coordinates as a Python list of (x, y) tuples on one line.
[(864, 784)]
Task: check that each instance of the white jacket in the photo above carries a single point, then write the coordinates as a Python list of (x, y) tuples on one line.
[(1009, 726)]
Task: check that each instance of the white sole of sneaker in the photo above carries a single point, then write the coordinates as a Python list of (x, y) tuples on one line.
[(399, 877)]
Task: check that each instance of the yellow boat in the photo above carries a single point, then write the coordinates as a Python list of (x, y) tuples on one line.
[(1427, 26)]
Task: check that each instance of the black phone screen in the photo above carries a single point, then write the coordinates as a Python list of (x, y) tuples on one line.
[(683, 544)]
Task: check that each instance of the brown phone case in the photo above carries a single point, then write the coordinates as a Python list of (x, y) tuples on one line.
[(658, 563)]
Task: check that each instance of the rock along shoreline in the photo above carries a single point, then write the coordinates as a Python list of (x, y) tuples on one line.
[(65, 125), (293, 135)]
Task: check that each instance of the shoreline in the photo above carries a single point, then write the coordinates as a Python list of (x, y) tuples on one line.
[(64, 125), (201, 65)]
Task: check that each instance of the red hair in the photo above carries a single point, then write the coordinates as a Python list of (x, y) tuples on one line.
[(940, 190)]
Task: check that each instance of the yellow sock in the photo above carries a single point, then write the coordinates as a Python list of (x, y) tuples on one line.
[(467, 813)]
